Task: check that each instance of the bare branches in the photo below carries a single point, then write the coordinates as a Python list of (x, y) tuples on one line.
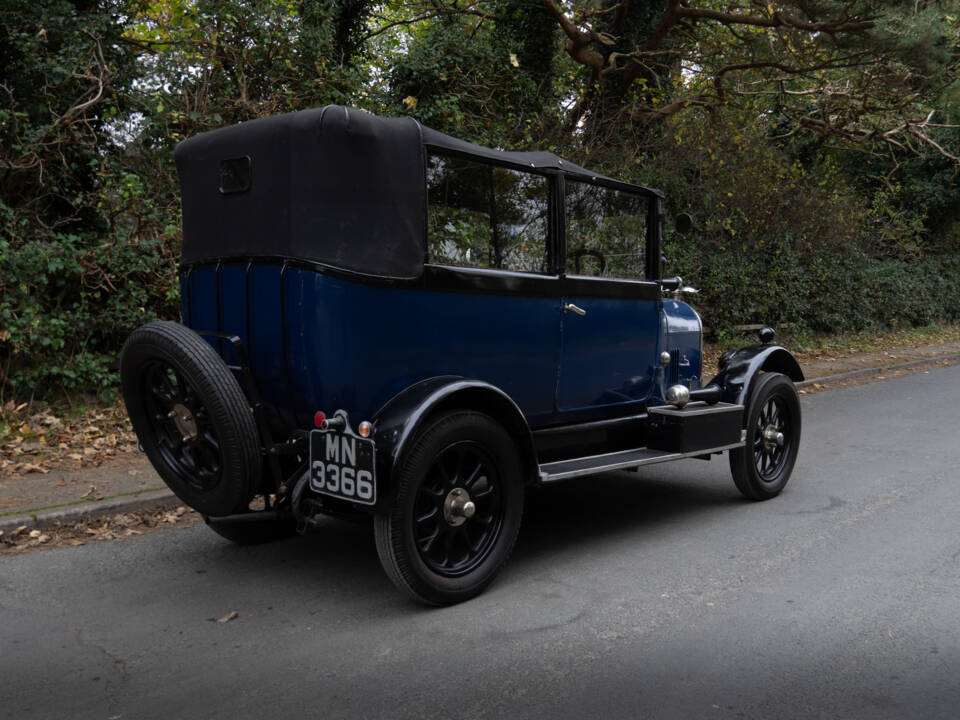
[(919, 131), (649, 114), (579, 41), (909, 136), (587, 41), (677, 12), (432, 10), (777, 19), (828, 78), (93, 94), (847, 61), (96, 75)]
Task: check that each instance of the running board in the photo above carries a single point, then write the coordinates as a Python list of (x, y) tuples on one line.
[(623, 460)]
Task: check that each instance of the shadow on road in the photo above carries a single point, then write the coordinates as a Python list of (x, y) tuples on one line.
[(591, 510), (338, 560)]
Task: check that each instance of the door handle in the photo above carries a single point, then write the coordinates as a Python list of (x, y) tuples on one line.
[(573, 308)]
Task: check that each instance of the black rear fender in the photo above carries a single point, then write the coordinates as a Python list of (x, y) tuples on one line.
[(399, 421)]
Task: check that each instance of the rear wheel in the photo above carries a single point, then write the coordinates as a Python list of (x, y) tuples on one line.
[(762, 467), (456, 510), (191, 417)]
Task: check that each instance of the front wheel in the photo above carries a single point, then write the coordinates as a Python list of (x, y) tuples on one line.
[(455, 512), (762, 467)]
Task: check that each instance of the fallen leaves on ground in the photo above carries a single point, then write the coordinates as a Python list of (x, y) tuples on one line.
[(901, 345), (173, 516), (36, 439), (107, 527)]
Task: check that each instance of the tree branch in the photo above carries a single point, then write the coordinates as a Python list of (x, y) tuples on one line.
[(659, 34), (844, 62), (777, 19), (437, 11), (82, 103), (673, 108), (578, 41)]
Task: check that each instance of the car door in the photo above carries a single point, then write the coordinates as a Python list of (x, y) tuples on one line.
[(610, 320), (493, 309), (609, 345)]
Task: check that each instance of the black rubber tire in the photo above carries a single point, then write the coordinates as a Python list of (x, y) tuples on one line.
[(218, 472), (761, 470), (394, 527), (255, 531)]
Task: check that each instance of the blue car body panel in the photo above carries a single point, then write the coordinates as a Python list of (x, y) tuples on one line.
[(319, 341), (683, 332), (315, 341), (609, 354)]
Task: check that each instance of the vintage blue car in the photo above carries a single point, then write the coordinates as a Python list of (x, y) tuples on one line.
[(383, 320)]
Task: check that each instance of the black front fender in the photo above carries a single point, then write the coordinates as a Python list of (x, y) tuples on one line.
[(744, 364), (398, 422)]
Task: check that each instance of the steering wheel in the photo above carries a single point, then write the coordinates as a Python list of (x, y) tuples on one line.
[(584, 252)]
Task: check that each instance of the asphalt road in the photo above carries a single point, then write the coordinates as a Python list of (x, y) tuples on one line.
[(659, 595)]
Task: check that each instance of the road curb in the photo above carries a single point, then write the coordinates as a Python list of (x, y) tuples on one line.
[(867, 372), (155, 500)]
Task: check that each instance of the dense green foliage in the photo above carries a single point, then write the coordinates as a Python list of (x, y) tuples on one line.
[(86, 251), (816, 144)]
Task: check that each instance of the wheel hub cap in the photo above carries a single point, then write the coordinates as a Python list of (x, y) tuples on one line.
[(772, 437), (458, 507), (185, 422)]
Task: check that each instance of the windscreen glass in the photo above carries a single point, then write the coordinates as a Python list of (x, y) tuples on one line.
[(606, 231)]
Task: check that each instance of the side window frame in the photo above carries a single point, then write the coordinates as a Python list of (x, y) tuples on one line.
[(655, 258), (554, 214), (652, 267)]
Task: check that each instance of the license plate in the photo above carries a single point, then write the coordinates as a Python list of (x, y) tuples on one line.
[(342, 465)]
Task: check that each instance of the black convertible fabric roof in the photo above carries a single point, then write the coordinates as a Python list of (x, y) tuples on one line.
[(332, 185), (531, 160)]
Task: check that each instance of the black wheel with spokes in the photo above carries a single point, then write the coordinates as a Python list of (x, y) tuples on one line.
[(763, 466), (181, 425), (191, 417), (456, 510)]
